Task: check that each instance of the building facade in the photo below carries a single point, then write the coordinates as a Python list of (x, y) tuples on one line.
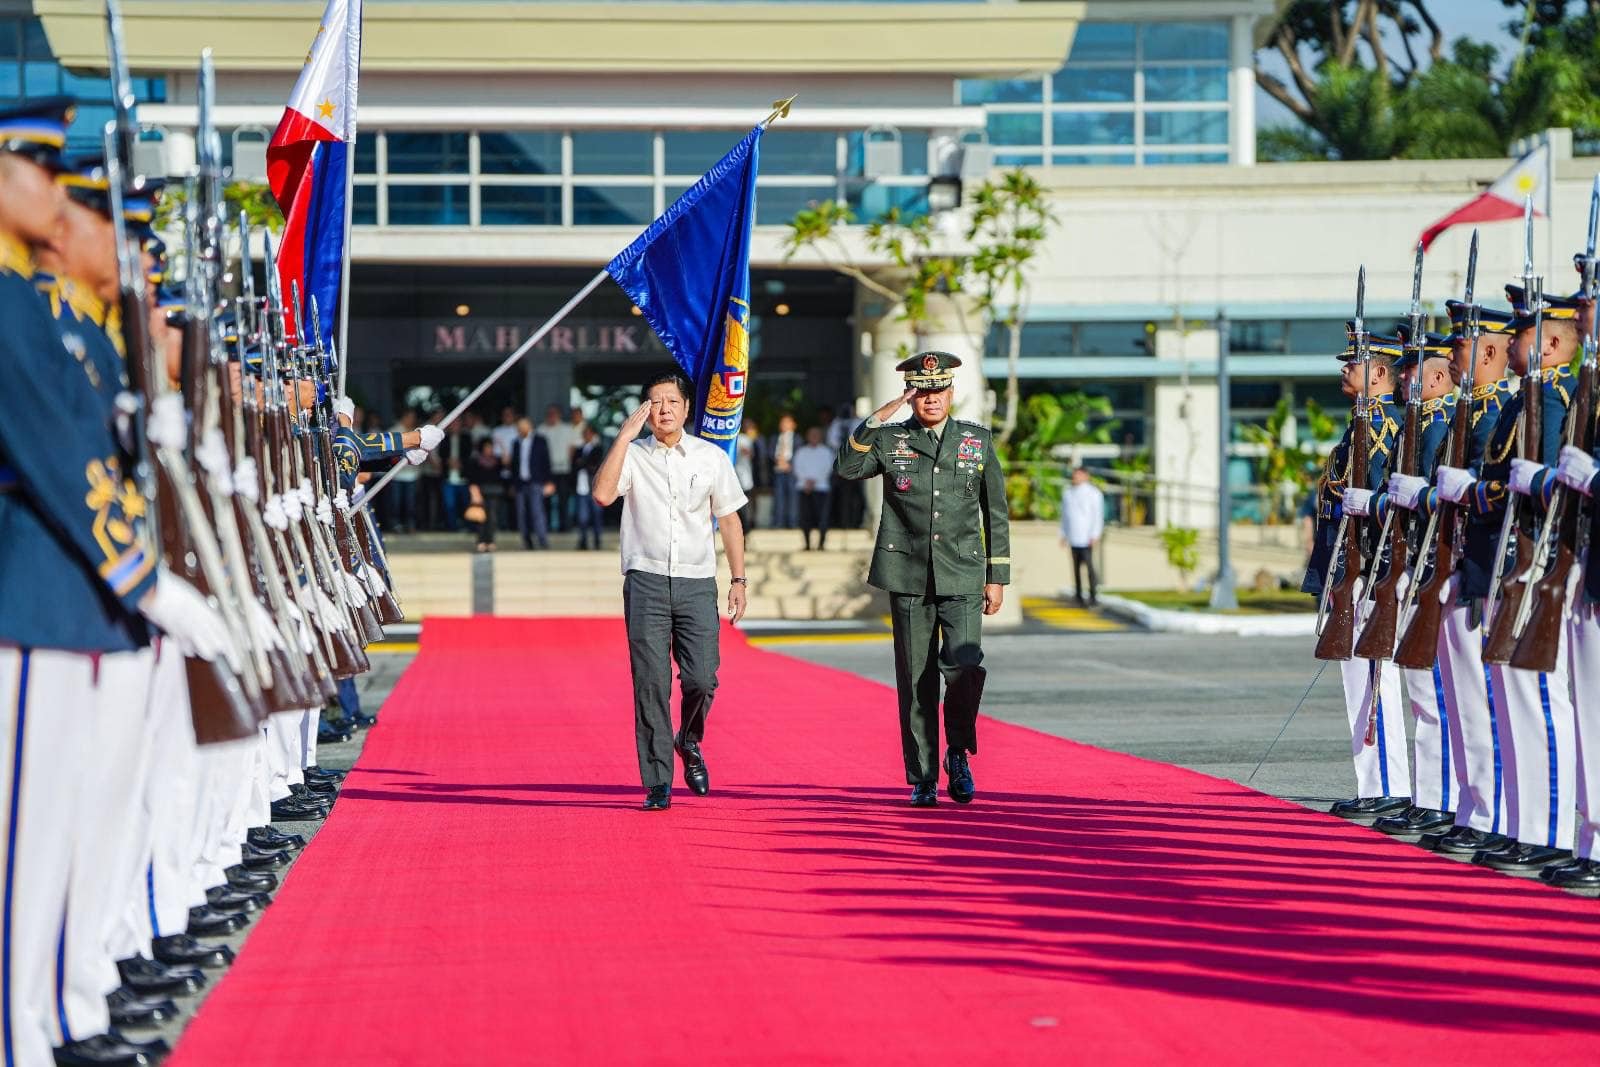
[(508, 151)]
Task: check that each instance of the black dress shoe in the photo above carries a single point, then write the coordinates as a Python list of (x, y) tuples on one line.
[(209, 920), (324, 774), (695, 775), (925, 794), (247, 881), (143, 976), (130, 1009), (1415, 821), (659, 798), (1522, 858), (332, 735), (1465, 841), (1580, 874), (153, 1046), (955, 763), (315, 792), (293, 809), (1369, 807), (229, 899), (101, 1050), (362, 721), (262, 859), (274, 840), (183, 949)]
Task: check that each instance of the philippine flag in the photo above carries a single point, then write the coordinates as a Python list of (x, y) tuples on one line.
[(306, 164), (1502, 201)]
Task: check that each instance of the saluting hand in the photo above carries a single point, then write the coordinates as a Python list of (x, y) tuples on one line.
[(636, 421), (883, 413)]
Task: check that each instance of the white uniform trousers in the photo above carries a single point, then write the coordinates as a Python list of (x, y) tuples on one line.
[(284, 753), (171, 803), (1539, 751), (1583, 645), (309, 723), (111, 842), (227, 784), (1475, 741), (1433, 776), (1381, 768), (45, 728)]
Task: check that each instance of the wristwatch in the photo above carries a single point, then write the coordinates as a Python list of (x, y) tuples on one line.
[(740, 580)]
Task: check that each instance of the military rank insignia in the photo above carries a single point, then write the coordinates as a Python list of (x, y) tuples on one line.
[(902, 482)]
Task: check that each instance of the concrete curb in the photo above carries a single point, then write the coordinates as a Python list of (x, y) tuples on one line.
[(1205, 622)]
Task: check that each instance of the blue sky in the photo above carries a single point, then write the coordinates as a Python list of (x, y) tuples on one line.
[(1482, 20)]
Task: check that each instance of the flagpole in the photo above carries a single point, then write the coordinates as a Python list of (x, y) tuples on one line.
[(352, 35), (483, 386)]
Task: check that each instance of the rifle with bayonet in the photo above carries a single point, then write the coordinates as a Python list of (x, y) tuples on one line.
[(1512, 570), (1539, 643), (1446, 531), (1336, 632), (221, 707), (1378, 639)]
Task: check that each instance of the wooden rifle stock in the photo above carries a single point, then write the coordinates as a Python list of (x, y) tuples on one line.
[(1378, 639), (1338, 638), (1540, 643), (1500, 640), (1419, 645)]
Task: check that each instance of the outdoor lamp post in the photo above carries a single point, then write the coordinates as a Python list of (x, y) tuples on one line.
[(1223, 596)]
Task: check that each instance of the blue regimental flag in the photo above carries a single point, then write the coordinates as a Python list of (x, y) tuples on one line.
[(689, 273)]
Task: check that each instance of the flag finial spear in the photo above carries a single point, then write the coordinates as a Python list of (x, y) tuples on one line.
[(780, 110)]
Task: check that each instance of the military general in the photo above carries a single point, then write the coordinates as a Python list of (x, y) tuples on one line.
[(943, 555)]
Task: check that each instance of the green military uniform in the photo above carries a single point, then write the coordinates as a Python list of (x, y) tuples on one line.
[(943, 536)]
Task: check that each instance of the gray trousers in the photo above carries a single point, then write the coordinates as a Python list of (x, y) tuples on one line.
[(676, 618)]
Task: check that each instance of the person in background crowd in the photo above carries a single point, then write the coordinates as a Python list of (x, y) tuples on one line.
[(485, 487), (849, 502), (1306, 517), (784, 444), (585, 465), (403, 502), (430, 484), (560, 438), (1083, 520), (477, 429), (370, 423), (760, 463), (505, 433), (532, 481), (813, 472), (453, 453), (744, 465)]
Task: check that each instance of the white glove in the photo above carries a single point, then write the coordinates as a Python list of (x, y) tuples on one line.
[(274, 514), (298, 622), (326, 611), (213, 457), (374, 581), (431, 436), (169, 424), (341, 500), (1358, 501), (355, 589), (179, 610), (1454, 483), (1406, 490), (290, 502), (308, 495), (264, 625), (1577, 469), (416, 456), (247, 479), (1523, 472), (344, 408), (325, 512)]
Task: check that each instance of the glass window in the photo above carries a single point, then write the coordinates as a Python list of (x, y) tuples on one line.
[(154, 90), (1159, 158), (519, 152), (85, 88), (1114, 339), (1253, 396), (1186, 127), (613, 152), (870, 202), (35, 45), (1257, 335), (800, 152), (427, 205), (694, 151), (1082, 159), (41, 78), (86, 135), (512, 205), (1092, 127), (1093, 85), (999, 91), (1023, 129), (10, 79), (366, 152), (777, 204), (1188, 84), (612, 205), (10, 38), (1017, 159), (1316, 337), (418, 152), (1098, 42), (1185, 40), (364, 210), (913, 153)]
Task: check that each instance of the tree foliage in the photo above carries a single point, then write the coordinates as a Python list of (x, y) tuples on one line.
[(1370, 79)]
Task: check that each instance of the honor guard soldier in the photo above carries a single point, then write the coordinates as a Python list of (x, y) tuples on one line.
[(1533, 711), (1381, 767), (1433, 792), (1474, 754), (943, 555)]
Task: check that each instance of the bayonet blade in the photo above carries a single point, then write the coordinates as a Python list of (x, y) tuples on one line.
[(1361, 297), (1472, 267), (1594, 217), (1527, 238)]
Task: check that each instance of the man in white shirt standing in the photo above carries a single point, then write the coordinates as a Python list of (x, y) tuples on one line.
[(560, 437), (1083, 520), (672, 486), (813, 472)]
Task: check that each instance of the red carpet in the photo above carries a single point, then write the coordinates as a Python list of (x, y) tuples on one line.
[(486, 893)]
